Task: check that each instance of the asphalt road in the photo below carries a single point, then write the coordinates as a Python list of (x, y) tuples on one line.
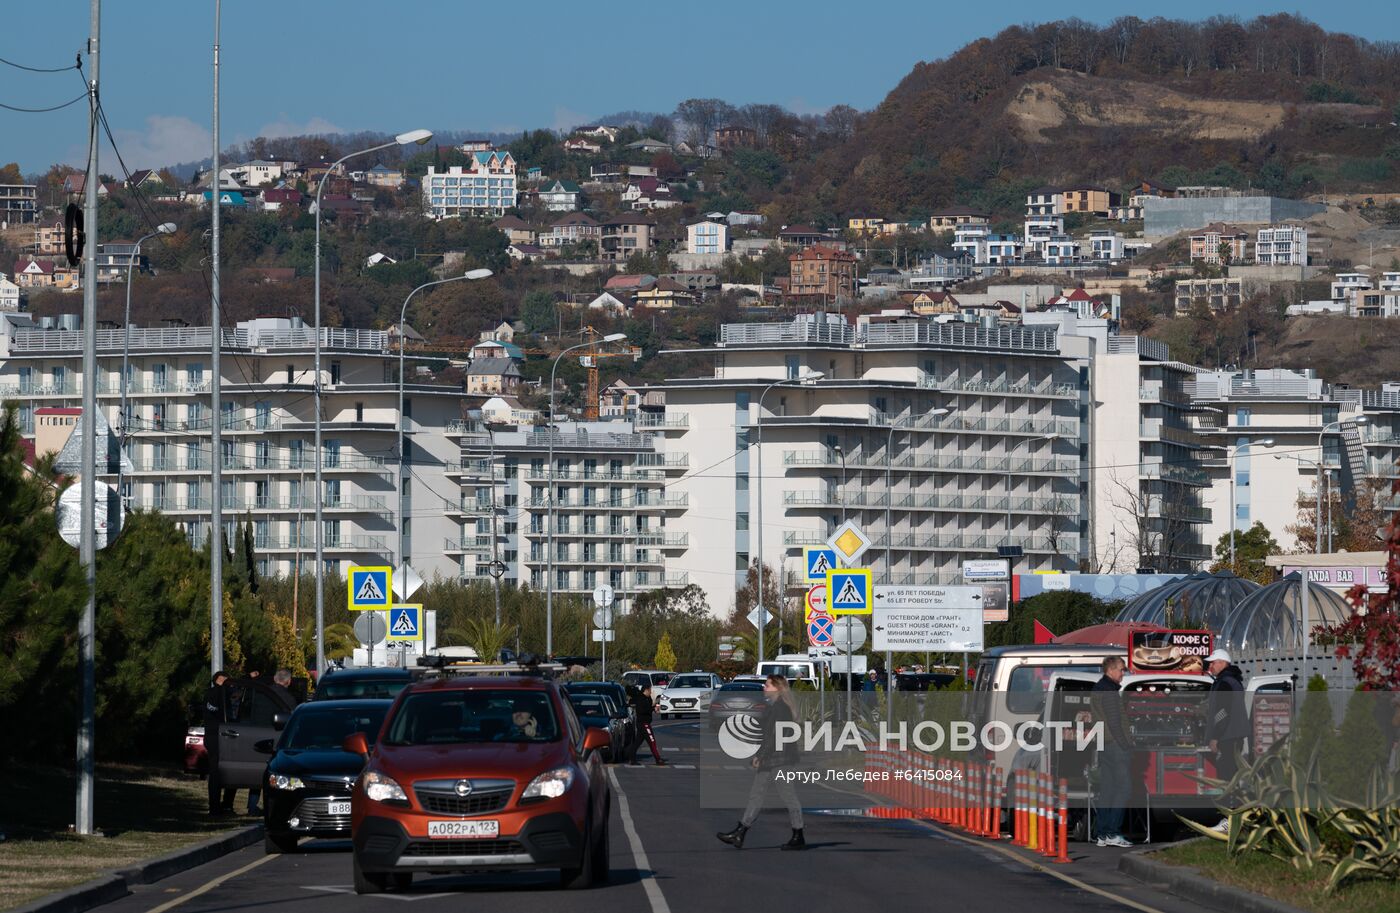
[(665, 859)]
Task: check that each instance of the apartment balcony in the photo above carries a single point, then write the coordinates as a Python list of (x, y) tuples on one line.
[(935, 462), (910, 501), (1154, 429), (954, 542), (1187, 475), (24, 391), (467, 507), (641, 502), (668, 421), (670, 462), (1047, 388), (375, 545), (201, 339), (958, 423), (1179, 512), (598, 475), (467, 544)]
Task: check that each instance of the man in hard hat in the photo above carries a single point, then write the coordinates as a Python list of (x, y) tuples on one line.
[(1227, 726)]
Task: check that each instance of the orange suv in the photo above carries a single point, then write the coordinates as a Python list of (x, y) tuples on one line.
[(480, 774)]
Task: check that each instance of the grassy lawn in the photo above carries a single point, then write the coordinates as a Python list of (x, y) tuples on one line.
[(1264, 875), (142, 813)]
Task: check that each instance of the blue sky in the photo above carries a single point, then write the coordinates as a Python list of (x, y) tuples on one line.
[(345, 65)]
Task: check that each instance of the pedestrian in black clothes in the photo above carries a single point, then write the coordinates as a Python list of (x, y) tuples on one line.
[(220, 799), (1115, 757), (645, 707), (769, 763), (1227, 726)]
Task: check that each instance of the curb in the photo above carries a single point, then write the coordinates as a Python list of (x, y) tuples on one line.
[(107, 888), (1189, 883)]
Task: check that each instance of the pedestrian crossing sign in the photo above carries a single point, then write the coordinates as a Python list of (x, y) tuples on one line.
[(818, 560), (369, 588), (848, 591), (405, 622)]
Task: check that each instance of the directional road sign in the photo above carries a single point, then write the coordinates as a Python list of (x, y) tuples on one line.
[(369, 588), (849, 542), (406, 581), (888, 596), (370, 628), (406, 622), (848, 634), (818, 561), (848, 591), (820, 630), (928, 629)]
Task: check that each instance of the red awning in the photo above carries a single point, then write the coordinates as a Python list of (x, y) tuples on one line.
[(1110, 633)]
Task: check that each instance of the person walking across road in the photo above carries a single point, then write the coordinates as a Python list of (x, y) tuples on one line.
[(1115, 757), (1227, 726), (768, 763), (645, 707)]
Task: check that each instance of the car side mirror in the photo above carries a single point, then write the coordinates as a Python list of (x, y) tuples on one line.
[(263, 746), (596, 739), (279, 721), (355, 743)]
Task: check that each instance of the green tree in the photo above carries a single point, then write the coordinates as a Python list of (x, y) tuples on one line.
[(1061, 611), (665, 656), (1252, 546), (539, 312)]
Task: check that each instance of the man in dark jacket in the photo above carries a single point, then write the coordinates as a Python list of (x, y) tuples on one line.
[(220, 800), (1227, 725), (641, 700), (1115, 758)]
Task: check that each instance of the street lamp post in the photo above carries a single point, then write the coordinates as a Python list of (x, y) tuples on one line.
[(1234, 452), (403, 454), (165, 228), (1321, 469), (403, 139), (757, 474), (549, 499)]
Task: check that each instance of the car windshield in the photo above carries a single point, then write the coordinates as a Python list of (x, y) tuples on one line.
[(351, 688), (315, 729), (477, 715), (787, 670), (591, 704), (661, 678), (690, 681)]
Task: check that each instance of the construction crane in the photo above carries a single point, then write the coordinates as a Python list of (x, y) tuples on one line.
[(590, 361)]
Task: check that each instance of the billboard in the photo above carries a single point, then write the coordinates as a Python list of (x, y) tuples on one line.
[(1181, 652)]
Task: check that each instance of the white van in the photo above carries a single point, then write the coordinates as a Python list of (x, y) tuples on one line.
[(795, 667)]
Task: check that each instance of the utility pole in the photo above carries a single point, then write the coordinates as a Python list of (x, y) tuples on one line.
[(87, 552), (216, 418)]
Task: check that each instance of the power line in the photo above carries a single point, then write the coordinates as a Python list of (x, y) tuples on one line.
[(66, 104), (19, 66)]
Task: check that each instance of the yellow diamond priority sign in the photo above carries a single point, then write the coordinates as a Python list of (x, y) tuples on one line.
[(849, 542)]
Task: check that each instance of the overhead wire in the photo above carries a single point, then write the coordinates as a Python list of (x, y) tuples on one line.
[(22, 110), (19, 66)]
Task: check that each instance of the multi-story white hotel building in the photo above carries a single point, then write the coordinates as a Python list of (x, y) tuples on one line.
[(1144, 461), (1282, 245), (864, 442), (266, 433), (1296, 410), (613, 513), (486, 188)]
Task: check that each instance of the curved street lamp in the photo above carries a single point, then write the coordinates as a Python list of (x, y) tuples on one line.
[(412, 137)]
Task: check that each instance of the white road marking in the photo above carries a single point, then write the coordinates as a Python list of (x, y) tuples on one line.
[(654, 895), (349, 889), (210, 885)]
